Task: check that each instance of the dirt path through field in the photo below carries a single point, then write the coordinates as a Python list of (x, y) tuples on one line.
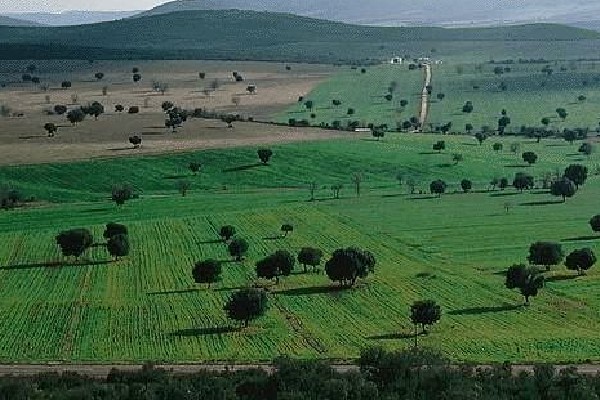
[(425, 97), (102, 370)]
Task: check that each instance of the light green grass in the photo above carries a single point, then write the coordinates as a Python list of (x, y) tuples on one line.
[(451, 249)]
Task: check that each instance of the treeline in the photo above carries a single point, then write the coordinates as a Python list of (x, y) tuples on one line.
[(380, 375)]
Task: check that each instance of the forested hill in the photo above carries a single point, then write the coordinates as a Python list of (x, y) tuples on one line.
[(8, 21), (244, 35)]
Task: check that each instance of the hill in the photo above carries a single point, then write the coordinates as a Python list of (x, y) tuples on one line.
[(67, 18), (9, 21), (234, 34), (405, 12)]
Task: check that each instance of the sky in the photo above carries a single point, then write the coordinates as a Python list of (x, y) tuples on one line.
[(62, 5)]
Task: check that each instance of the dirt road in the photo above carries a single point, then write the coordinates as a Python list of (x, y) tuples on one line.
[(425, 97)]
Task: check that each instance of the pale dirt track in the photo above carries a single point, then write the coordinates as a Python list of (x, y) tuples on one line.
[(425, 97), (101, 371)]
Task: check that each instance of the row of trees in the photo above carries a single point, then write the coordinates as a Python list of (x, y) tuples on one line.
[(75, 242)]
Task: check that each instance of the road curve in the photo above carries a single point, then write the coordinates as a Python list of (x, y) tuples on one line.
[(425, 97), (101, 371)]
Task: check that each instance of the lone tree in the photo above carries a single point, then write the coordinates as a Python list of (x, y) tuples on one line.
[(546, 254), (119, 108), (95, 109), (469, 128), (287, 229), (238, 249), (118, 246), (114, 229), (530, 157), (523, 181), (595, 223), (280, 263), (580, 260), (439, 146), (481, 137), (438, 187), (227, 232), (424, 313), (563, 187), (577, 173), (51, 129), (378, 133), (99, 75), (75, 242), (265, 155), (183, 186), (65, 84), (357, 181), (309, 256), (120, 194), (466, 185), (195, 167), (60, 109), (336, 190), (208, 271), (136, 141), (586, 148), (497, 147), (76, 116), (246, 305), (528, 280), (457, 157), (347, 265), (468, 107)]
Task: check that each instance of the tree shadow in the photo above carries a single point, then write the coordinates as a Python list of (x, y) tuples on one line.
[(424, 198), (546, 191), (388, 196), (485, 310), (501, 273), (560, 278), (192, 332), (98, 210), (581, 238), (243, 167), (174, 177), (557, 144), (29, 137), (423, 275), (504, 194), (541, 203), (469, 144), (121, 148), (178, 291), (229, 289), (425, 153), (517, 166), (216, 241), (394, 336), (55, 264), (277, 237), (443, 165), (312, 290)]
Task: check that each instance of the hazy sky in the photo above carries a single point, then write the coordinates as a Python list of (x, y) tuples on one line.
[(60, 5)]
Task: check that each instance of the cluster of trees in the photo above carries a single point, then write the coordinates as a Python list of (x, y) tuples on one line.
[(75, 115), (379, 374), (10, 197), (175, 115), (75, 242)]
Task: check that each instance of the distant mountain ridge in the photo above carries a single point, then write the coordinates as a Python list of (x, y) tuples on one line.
[(409, 12), (9, 21), (69, 18)]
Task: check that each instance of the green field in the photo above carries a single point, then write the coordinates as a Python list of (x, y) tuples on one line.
[(365, 94), (451, 249), (530, 95)]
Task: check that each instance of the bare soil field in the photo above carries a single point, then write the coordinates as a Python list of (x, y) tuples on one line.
[(23, 139)]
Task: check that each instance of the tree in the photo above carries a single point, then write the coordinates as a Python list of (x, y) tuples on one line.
[(530, 157), (119, 108), (545, 254), (136, 141), (545, 121), (60, 109), (350, 111), (227, 232), (457, 157), (265, 155), (469, 128), (99, 75), (309, 104), (50, 128), (120, 194), (309, 256), (563, 187), (246, 305), (357, 181), (595, 223), (580, 260), (135, 70), (438, 187), (75, 116), (481, 137), (75, 242), (195, 167), (280, 263), (425, 313), (286, 229), (137, 77), (95, 109), (114, 229), (403, 103), (202, 75), (466, 185), (586, 148), (577, 173), (238, 248), (440, 96), (528, 280), (65, 84), (118, 246), (503, 183), (378, 133), (497, 147), (336, 190), (523, 181), (562, 113), (439, 146), (208, 271), (251, 89), (570, 136), (183, 186), (347, 265), (467, 107)]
